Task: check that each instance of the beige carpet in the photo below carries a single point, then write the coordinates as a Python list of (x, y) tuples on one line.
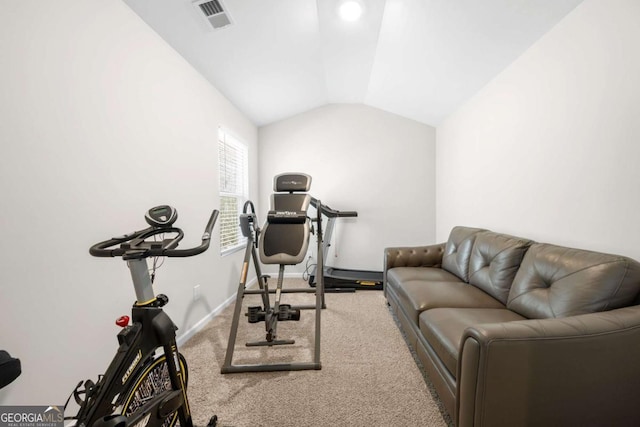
[(368, 375)]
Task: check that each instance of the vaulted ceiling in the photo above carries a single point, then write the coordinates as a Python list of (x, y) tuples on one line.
[(417, 58)]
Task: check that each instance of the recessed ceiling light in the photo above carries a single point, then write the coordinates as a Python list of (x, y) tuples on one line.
[(350, 10)]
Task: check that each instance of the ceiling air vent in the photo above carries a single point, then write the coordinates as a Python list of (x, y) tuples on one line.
[(213, 12)]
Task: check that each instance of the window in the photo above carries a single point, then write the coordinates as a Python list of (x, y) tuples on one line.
[(234, 189)]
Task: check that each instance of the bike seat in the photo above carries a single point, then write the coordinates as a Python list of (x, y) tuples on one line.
[(10, 368)]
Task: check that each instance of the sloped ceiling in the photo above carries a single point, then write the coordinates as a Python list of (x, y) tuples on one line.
[(417, 58)]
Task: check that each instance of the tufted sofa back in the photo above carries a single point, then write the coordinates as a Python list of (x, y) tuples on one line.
[(555, 281), (458, 250), (495, 259)]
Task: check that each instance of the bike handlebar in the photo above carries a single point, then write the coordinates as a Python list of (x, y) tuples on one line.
[(142, 249)]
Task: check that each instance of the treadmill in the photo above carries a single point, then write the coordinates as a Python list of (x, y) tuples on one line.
[(342, 279)]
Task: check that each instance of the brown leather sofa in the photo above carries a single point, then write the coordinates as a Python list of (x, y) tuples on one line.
[(513, 332)]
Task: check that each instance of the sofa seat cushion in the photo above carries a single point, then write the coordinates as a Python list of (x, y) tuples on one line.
[(398, 275), (442, 328), (416, 296)]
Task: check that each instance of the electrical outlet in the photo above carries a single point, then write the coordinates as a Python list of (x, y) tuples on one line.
[(196, 292)]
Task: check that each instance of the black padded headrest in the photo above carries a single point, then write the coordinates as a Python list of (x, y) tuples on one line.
[(292, 182)]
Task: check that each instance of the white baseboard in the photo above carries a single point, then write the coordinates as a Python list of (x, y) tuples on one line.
[(274, 275), (182, 339)]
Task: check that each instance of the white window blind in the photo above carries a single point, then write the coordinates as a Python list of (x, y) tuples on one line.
[(234, 188)]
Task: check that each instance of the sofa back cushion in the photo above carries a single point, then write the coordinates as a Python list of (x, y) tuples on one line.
[(554, 281), (457, 251), (494, 261)]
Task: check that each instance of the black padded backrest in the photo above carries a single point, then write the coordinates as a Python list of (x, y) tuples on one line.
[(284, 243), (290, 202)]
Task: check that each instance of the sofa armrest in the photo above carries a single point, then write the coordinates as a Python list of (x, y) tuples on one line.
[(411, 256), (580, 370), (414, 256)]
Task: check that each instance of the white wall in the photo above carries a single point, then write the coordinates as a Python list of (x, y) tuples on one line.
[(101, 120), (364, 159), (549, 149)]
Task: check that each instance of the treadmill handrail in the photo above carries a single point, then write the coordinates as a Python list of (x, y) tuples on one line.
[(332, 213)]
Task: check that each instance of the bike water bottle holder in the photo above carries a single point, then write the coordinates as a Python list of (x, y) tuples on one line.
[(89, 391)]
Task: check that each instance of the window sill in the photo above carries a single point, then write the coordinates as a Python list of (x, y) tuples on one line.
[(233, 250)]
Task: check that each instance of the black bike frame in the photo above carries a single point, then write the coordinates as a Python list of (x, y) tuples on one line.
[(150, 330)]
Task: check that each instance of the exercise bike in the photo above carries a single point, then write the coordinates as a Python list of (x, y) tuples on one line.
[(140, 388)]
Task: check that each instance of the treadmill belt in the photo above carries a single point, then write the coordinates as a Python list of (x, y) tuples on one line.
[(353, 279)]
